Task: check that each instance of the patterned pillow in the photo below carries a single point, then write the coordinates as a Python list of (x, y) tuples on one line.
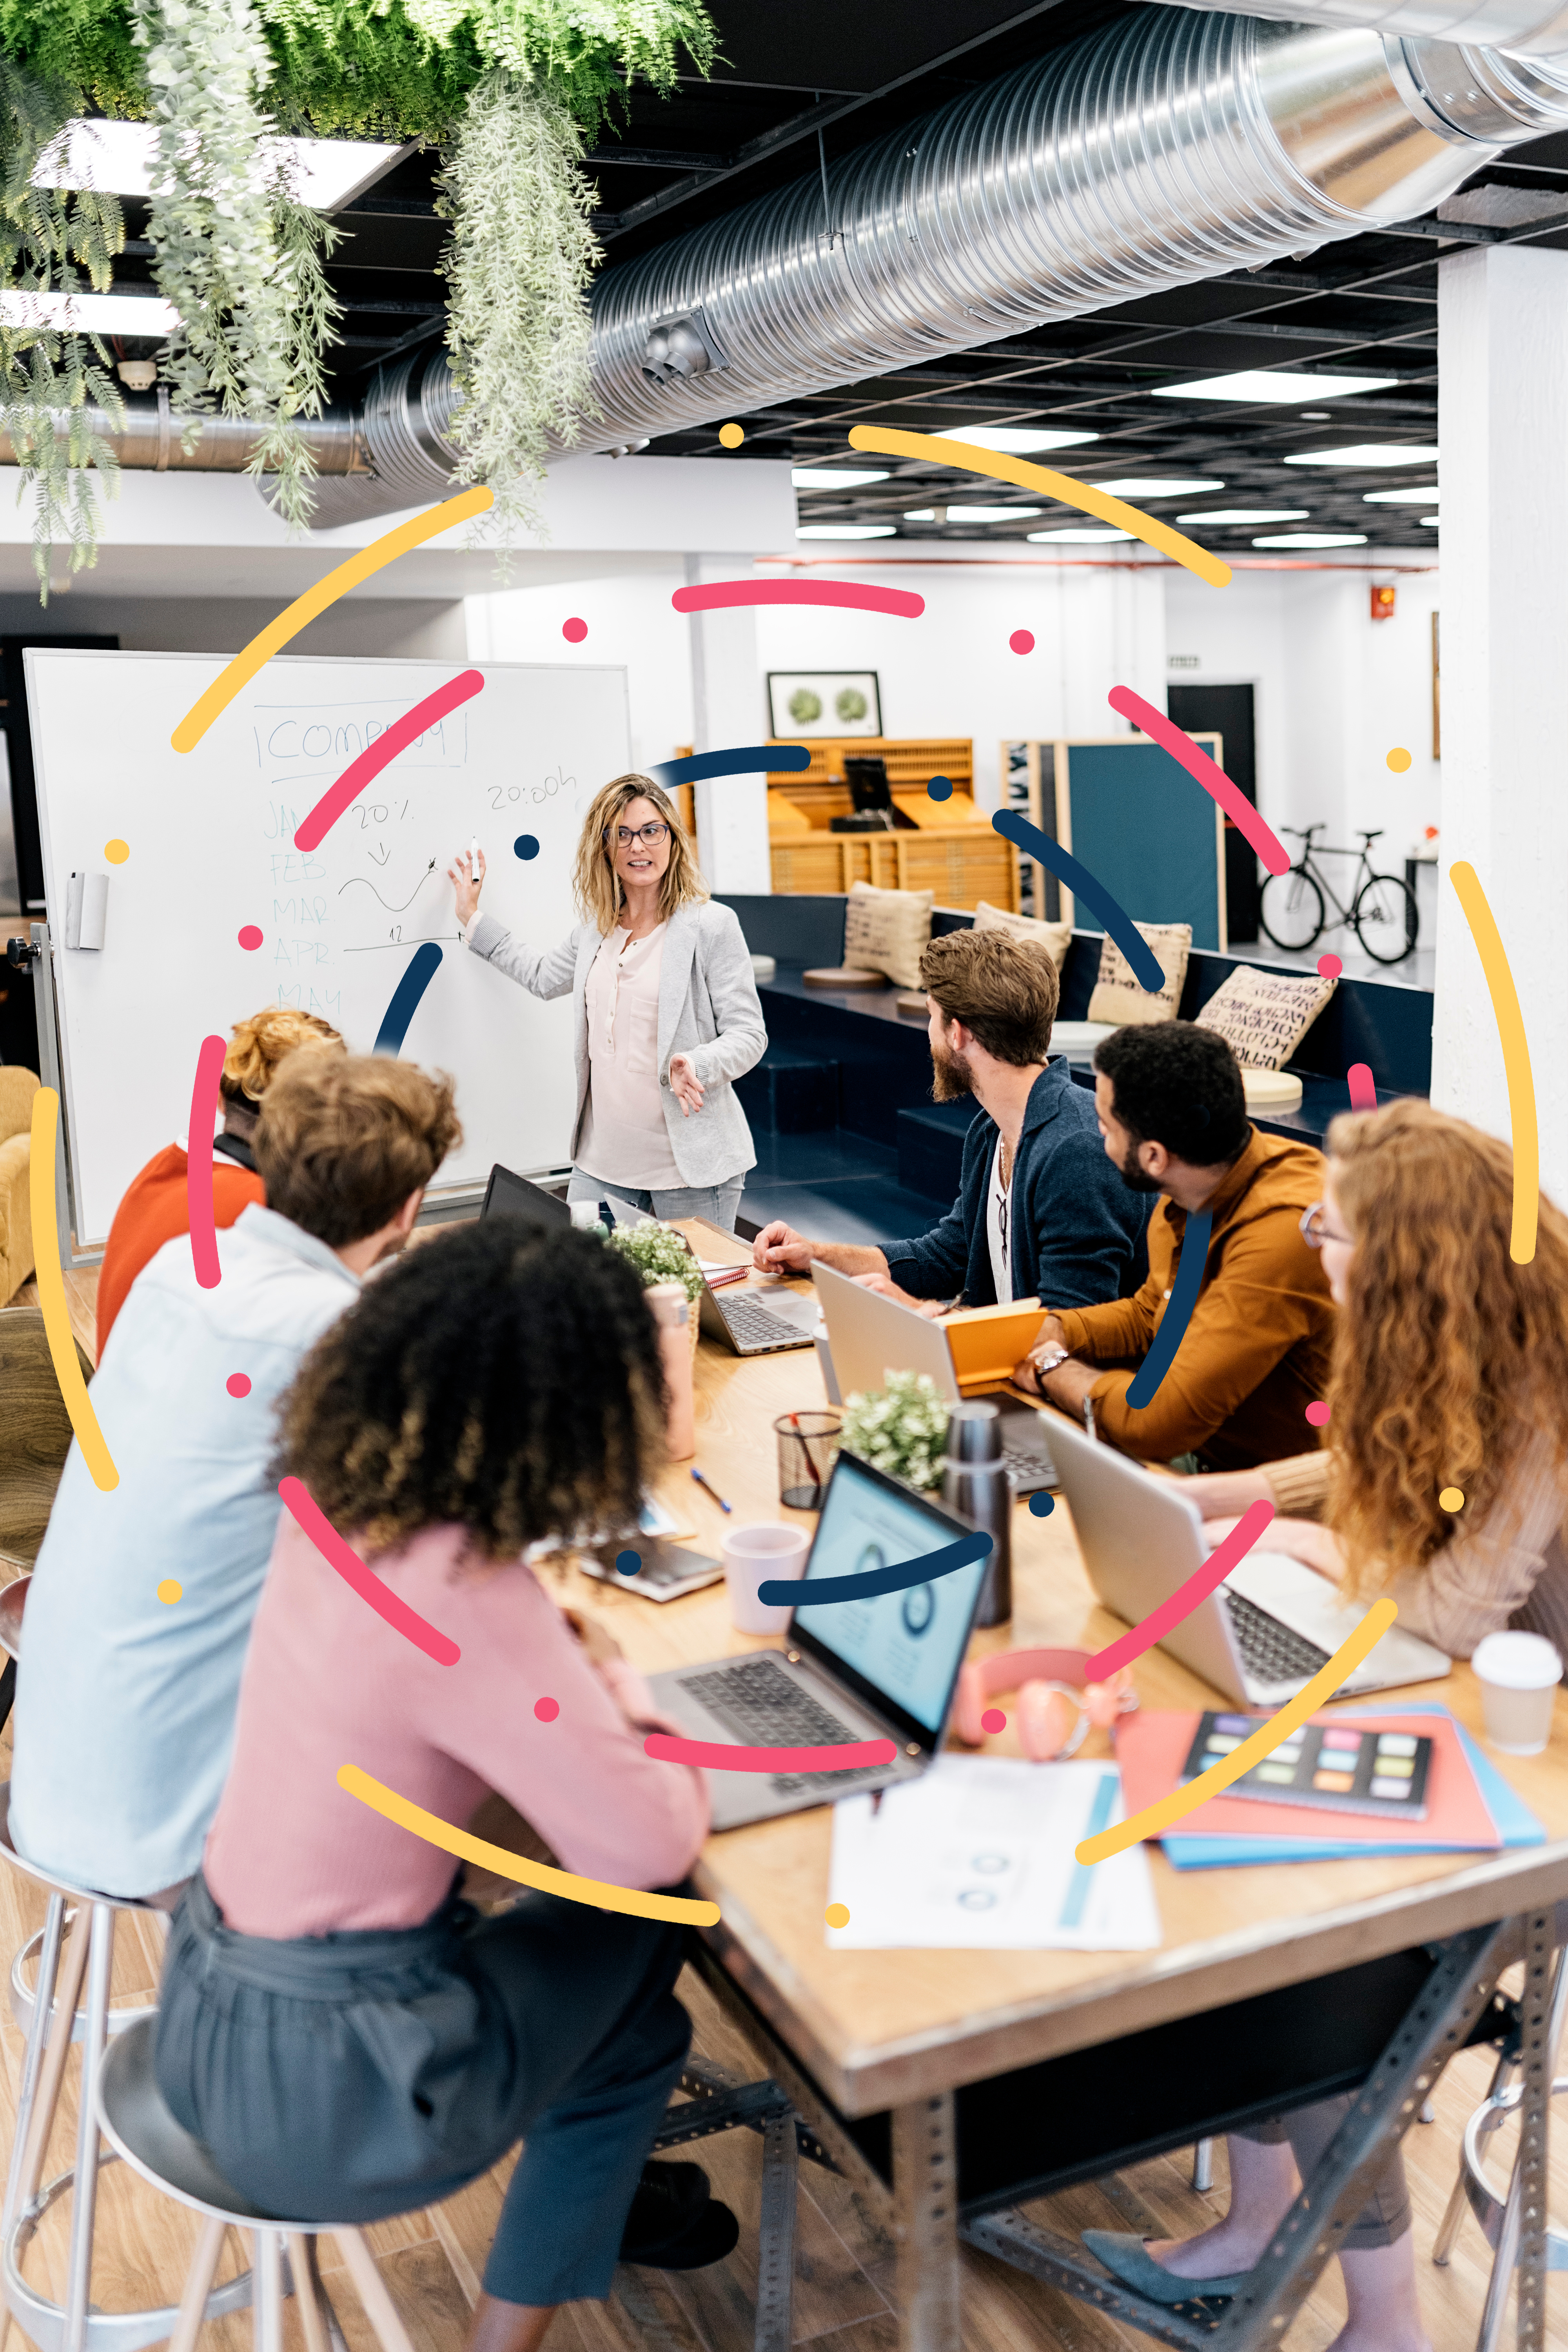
[(1118, 995), (1058, 936), (1264, 1015), (884, 930)]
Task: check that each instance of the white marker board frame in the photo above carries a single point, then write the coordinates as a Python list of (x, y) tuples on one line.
[(210, 834)]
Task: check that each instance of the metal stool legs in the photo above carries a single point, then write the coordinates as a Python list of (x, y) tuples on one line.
[(1203, 2167)]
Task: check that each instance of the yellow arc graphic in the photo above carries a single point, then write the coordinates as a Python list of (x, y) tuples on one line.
[(597, 1891), (1515, 1059), (315, 600), (1263, 1742), (52, 1292), (1052, 485)]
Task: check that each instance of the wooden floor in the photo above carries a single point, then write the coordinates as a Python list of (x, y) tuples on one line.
[(844, 2262)]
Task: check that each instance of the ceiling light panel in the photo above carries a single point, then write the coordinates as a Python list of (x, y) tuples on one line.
[(845, 531), (118, 159), (1409, 494), (1159, 486), (1018, 440), (1275, 384), (96, 314), (832, 478), (1313, 539), (1249, 514), (1083, 537), (1369, 453)]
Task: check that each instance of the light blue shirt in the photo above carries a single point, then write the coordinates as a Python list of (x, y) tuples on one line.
[(125, 1704)]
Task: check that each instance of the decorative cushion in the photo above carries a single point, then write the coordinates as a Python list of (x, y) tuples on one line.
[(1264, 1015), (884, 930), (1118, 995), (1058, 936)]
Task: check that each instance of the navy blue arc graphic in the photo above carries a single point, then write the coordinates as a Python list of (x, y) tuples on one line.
[(1095, 895), (789, 1593), (405, 998), (740, 760), (1178, 1313)]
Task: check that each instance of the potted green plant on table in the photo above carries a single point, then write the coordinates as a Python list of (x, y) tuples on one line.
[(660, 1256), (902, 1429)]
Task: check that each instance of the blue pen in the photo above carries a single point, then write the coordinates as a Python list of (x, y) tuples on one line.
[(707, 1489)]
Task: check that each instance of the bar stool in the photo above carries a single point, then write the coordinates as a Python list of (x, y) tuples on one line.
[(52, 2003), (139, 2127)]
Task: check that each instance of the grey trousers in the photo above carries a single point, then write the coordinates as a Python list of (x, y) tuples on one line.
[(717, 1203), (353, 2076), (1385, 2216)]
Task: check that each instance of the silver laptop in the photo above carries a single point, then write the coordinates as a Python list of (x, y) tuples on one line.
[(880, 1669), (1271, 1626), (869, 1336), (753, 1323)]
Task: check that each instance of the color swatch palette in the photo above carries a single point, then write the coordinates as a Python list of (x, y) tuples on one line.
[(1332, 1766)]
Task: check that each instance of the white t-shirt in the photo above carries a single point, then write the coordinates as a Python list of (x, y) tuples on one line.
[(999, 1228)]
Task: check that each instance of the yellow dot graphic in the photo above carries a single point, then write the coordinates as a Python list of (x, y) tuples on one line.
[(1452, 1498), (170, 1590), (1398, 759), (117, 852), (730, 436), (837, 1915)]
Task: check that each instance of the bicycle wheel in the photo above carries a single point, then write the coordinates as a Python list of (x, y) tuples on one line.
[(1384, 917), (1290, 910)]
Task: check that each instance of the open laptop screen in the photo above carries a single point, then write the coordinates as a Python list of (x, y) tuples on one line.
[(902, 1650), (507, 1195)]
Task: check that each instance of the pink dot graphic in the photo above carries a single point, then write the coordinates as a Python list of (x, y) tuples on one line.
[(1317, 1415), (546, 1709), (239, 1384), (1330, 966), (574, 631), (1021, 641), (250, 937), (993, 1720)]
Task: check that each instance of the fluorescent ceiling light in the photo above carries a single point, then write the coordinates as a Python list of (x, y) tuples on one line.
[(832, 478), (1409, 494), (1430, 523), (95, 314), (979, 514), (1369, 453), (1018, 440), (1084, 536), (121, 157), (1273, 384), (1159, 486), (1249, 514), (845, 531), (1314, 539)]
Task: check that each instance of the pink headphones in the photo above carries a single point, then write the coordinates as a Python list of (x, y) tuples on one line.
[(1056, 1702)]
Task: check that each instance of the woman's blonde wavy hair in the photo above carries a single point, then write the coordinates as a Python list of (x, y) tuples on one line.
[(595, 880), (1450, 1361), (259, 1047)]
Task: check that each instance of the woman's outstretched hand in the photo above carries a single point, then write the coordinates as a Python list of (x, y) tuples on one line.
[(684, 1085), (467, 874)]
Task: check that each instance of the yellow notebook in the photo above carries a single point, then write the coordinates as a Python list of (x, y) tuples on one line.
[(987, 1342)]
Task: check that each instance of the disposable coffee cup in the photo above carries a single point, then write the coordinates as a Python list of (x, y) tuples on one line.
[(752, 1555), (585, 1214), (1519, 1675)]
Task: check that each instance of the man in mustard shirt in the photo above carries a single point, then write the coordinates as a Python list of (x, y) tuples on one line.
[(1255, 1354)]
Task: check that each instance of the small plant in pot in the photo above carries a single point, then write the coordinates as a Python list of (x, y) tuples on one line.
[(660, 1256), (902, 1429)]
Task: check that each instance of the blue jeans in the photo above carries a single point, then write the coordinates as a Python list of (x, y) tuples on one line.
[(717, 1203)]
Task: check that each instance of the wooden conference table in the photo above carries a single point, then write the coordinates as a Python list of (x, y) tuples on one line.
[(900, 2035)]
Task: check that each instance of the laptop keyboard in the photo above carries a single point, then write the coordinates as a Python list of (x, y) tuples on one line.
[(1271, 1652), (768, 1709), (752, 1326), (1025, 1465)]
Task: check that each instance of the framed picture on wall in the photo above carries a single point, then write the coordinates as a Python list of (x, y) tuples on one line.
[(804, 702)]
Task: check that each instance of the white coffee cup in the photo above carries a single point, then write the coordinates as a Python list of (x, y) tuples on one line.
[(1519, 1675), (585, 1214), (752, 1555)]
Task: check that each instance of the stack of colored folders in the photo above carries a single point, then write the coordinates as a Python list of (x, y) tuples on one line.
[(1470, 1808)]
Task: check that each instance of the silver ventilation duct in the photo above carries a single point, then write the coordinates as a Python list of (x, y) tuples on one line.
[(1520, 28), (151, 441)]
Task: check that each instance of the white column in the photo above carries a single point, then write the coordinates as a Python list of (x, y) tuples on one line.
[(1503, 355), (728, 698)]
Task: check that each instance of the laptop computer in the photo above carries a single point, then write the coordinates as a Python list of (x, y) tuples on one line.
[(881, 1669), (868, 1335), (507, 1195), (753, 1323), (1272, 1625)]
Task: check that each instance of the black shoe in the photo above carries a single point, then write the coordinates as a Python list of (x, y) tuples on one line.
[(675, 2224)]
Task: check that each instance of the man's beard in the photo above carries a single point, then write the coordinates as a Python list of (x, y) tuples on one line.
[(1133, 1176), (952, 1078)]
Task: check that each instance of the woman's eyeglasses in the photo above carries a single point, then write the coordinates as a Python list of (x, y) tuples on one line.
[(1314, 1231), (649, 834)]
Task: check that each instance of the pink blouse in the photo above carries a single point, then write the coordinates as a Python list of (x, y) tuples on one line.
[(624, 1138), (327, 1683)]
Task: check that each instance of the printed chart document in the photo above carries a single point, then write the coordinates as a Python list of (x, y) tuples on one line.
[(978, 1855)]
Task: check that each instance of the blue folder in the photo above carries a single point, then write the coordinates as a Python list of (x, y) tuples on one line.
[(1516, 1825)]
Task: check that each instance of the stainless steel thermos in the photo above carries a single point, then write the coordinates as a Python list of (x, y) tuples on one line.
[(975, 1482)]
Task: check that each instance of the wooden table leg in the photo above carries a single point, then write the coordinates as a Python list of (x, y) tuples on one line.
[(925, 2225)]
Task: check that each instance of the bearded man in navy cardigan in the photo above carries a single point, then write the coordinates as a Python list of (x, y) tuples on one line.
[(1041, 1212)]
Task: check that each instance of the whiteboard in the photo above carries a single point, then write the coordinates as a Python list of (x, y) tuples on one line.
[(210, 834)]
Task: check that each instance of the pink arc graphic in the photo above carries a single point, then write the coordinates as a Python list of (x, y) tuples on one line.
[(1198, 765), (1362, 1086), (1225, 1556), (719, 1757), (199, 1164), (720, 595), (314, 1522), (379, 754)]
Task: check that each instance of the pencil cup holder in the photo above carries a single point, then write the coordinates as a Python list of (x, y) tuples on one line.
[(808, 1442)]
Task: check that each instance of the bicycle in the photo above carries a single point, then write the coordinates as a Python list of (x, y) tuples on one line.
[(1291, 909)]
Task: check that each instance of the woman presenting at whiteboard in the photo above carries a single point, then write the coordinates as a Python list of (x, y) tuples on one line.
[(666, 1011)]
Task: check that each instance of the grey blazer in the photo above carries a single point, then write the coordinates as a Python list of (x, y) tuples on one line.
[(708, 1008)]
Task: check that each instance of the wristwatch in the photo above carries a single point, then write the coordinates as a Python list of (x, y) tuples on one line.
[(1046, 1360)]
